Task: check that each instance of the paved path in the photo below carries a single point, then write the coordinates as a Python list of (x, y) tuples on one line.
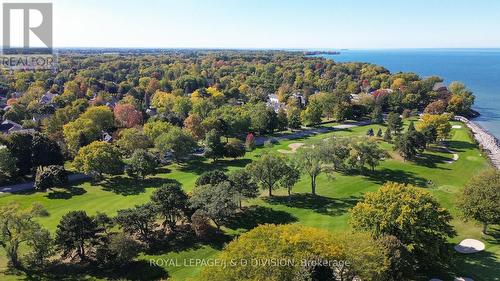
[(29, 185), (305, 132)]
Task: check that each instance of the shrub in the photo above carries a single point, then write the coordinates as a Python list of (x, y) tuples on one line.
[(50, 176)]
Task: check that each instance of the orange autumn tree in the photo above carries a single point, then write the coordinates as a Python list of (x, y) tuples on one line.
[(126, 115)]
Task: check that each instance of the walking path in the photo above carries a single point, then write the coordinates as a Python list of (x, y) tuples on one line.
[(305, 132), (29, 185), (487, 141)]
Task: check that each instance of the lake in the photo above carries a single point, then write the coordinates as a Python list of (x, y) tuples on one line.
[(478, 69)]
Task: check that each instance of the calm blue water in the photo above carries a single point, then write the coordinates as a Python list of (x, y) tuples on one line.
[(479, 69)]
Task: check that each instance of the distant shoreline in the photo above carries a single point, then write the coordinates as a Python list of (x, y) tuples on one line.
[(486, 140)]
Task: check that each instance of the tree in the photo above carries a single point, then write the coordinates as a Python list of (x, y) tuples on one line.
[(370, 132), (480, 198), (75, 232), (282, 119), (410, 214), (7, 164), (50, 176), (153, 129), (218, 202), (311, 160), (312, 114), (42, 248), (211, 177), (461, 99), (138, 220), (291, 175), (294, 119), (213, 147), (193, 124), (379, 133), (131, 139), (243, 184), (80, 132), (295, 243), (177, 141), (365, 152), (234, 148), (267, 171), (123, 249), (435, 107), (410, 144), (376, 115), (171, 202), (101, 116), (388, 135), (263, 119), (394, 122), (16, 229), (438, 127), (97, 159), (250, 142), (141, 164), (127, 116), (336, 151)]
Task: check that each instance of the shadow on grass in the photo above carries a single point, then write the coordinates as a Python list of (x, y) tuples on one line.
[(253, 216), (199, 166), (460, 146), (129, 186), (66, 193), (319, 204), (384, 175), (136, 270), (478, 266), (431, 160)]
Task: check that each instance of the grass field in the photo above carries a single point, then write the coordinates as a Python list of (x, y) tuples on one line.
[(328, 211)]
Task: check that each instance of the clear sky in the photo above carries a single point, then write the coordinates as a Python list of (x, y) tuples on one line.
[(277, 24)]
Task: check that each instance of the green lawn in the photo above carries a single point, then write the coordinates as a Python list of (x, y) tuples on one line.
[(328, 211)]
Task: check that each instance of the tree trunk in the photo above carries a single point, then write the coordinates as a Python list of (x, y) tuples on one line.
[(313, 185), (485, 228), (270, 191)]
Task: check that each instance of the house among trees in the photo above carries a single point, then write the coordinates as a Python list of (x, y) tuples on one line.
[(8, 127), (47, 98), (274, 102), (300, 98)]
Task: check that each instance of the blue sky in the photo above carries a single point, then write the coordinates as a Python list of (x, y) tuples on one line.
[(277, 24)]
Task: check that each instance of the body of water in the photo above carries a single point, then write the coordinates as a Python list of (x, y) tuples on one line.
[(478, 69)]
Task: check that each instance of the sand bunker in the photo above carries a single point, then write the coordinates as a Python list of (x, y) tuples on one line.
[(469, 246), (456, 127), (293, 147), (462, 279)]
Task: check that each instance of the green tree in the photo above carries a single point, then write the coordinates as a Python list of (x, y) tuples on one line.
[(480, 198), (234, 148), (7, 164), (80, 132), (177, 141), (131, 139), (50, 176), (138, 220), (312, 114), (267, 171), (41, 248), (123, 249), (311, 160), (263, 119), (97, 159), (294, 119), (282, 119), (388, 135), (213, 147), (171, 202), (141, 164), (101, 116), (394, 122), (211, 177), (410, 214), (218, 202), (410, 144), (243, 184), (75, 233), (153, 129)]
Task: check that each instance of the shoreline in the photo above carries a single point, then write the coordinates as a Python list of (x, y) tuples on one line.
[(487, 141)]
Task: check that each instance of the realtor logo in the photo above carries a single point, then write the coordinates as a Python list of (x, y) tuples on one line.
[(34, 21), (43, 31)]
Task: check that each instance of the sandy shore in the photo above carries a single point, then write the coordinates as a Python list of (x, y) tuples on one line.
[(487, 141)]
